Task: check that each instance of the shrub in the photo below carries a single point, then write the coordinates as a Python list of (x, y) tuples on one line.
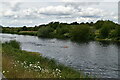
[(45, 32), (14, 44), (81, 33)]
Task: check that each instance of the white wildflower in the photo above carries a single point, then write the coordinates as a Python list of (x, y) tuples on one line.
[(39, 67), (35, 66), (24, 62), (30, 65), (7, 71), (3, 71), (57, 69)]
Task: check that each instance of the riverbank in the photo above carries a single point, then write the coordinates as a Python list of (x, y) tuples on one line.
[(30, 33), (17, 63), (34, 33), (79, 32)]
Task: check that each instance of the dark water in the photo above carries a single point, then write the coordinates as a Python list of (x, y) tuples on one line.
[(98, 59)]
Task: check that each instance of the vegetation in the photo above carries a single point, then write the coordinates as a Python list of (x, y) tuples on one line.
[(101, 30), (45, 32), (17, 63), (80, 33)]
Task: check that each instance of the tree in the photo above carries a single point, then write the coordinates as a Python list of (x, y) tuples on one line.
[(80, 33), (117, 32), (54, 24), (74, 23), (62, 32), (45, 32), (104, 31), (24, 28), (99, 24)]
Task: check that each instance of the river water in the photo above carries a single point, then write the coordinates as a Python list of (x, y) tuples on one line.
[(94, 58)]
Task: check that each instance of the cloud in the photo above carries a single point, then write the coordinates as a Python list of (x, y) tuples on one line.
[(91, 12), (18, 14), (56, 10)]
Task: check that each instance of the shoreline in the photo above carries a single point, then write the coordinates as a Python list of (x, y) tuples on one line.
[(18, 63), (97, 39)]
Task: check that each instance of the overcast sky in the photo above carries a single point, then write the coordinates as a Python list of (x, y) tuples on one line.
[(36, 12)]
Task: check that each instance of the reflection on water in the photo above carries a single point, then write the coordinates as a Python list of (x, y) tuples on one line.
[(97, 58)]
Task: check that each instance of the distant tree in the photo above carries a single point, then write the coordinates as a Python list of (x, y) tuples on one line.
[(74, 23), (117, 32), (45, 32), (54, 24), (104, 31), (91, 23), (82, 23), (81, 33), (99, 24), (24, 28)]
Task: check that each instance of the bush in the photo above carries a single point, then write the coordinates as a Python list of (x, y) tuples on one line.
[(13, 43), (104, 31), (45, 32), (80, 33)]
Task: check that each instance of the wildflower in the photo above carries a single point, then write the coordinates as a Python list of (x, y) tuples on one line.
[(39, 67), (7, 71), (24, 62), (30, 65), (3, 71), (57, 69), (18, 61), (35, 66)]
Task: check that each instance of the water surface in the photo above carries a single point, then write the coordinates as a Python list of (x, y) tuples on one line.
[(98, 59)]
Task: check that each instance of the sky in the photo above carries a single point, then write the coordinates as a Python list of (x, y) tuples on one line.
[(18, 13)]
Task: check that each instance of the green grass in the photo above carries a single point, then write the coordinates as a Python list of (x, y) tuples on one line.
[(32, 33), (17, 63)]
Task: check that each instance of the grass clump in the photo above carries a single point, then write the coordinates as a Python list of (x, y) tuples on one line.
[(18, 63), (13, 43)]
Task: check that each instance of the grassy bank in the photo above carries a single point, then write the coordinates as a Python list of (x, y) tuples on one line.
[(31, 33), (17, 63)]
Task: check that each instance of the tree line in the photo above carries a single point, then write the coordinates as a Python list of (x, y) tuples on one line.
[(101, 30)]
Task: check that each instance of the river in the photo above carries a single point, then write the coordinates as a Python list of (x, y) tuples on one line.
[(94, 58)]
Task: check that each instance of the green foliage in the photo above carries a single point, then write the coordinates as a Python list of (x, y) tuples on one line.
[(13, 43), (32, 33), (115, 34), (118, 32), (62, 32), (24, 28), (54, 25), (99, 24), (104, 31), (97, 31), (45, 32), (81, 33)]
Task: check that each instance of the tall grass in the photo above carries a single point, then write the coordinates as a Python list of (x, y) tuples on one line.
[(13, 43)]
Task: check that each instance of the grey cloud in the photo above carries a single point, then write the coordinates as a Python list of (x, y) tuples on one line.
[(67, 12), (14, 7), (89, 16)]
